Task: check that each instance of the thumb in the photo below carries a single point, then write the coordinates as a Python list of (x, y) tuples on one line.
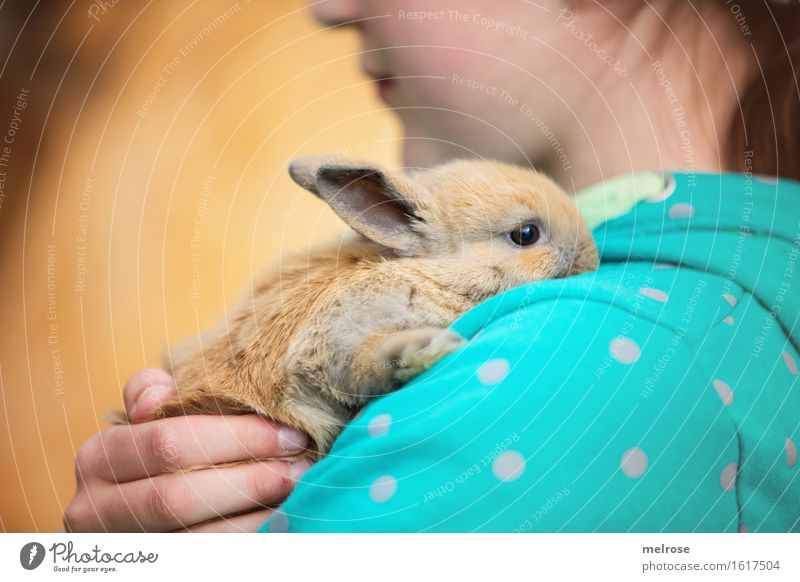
[(145, 391)]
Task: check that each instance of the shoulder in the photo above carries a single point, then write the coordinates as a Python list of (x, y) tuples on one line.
[(545, 407)]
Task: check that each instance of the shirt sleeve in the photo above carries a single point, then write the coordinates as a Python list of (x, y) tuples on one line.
[(577, 405)]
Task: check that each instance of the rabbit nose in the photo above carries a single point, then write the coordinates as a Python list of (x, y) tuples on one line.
[(571, 259), (581, 257)]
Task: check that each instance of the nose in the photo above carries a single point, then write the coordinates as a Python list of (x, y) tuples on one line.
[(335, 12)]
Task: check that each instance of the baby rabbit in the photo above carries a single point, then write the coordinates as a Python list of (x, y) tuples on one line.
[(332, 329)]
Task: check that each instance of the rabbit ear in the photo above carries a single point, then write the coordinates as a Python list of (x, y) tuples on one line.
[(381, 205)]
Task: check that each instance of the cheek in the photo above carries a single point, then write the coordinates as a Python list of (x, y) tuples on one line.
[(460, 96), (534, 264)]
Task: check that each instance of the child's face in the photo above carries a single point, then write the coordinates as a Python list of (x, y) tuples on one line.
[(479, 77)]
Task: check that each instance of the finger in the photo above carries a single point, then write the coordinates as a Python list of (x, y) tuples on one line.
[(247, 523), (181, 500), (145, 391), (129, 452)]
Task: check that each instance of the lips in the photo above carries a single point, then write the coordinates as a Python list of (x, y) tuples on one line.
[(385, 87), (384, 82)]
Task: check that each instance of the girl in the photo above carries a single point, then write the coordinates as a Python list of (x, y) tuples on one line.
[(658, 394)]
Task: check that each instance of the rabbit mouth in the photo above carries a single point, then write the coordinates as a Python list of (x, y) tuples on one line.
[(570, 269), (583, 258)]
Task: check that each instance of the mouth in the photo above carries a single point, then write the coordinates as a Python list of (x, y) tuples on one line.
[(384, 82), (385, 88)]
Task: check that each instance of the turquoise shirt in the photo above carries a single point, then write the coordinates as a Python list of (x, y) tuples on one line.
[(659, 393)]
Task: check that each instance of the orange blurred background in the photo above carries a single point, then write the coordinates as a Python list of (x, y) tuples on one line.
[(146, 185)]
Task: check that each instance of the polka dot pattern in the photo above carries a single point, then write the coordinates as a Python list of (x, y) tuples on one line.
[(791, 453), (383, 489), (493, 371), (790, 363), (379, 425), (681, 210), (613, 363), (624, 350), (509, 466), (730, 299), (634, 463), (727, 479), (725, 392), (654, 294)]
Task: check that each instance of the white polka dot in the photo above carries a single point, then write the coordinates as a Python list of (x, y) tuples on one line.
[(728, 320), (624, 350), (790, 363), (730, 299), (379, 425), (634, 462), (660, 266), (383, 489), (791, 453), (493, 371), (681, 210), (509, 466), (279, 522), (669, 189), (743, 529), (727, 479), (771, 180), (655, 294), (724, 391)]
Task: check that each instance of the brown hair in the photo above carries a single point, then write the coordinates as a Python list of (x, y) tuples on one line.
[(763, 136), (767, 122)]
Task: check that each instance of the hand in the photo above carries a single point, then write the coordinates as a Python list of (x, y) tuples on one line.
[(130, 479)]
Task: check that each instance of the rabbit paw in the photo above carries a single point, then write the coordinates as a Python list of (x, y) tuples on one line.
[(413, 351)]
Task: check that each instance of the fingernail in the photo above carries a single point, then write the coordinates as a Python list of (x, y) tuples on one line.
[(292, 440), (299, 468), (151, 398)]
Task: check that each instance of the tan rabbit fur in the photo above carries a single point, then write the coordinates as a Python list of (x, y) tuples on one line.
[(316, 339)]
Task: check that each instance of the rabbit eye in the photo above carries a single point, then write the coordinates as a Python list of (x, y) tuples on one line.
[(525, 235)]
